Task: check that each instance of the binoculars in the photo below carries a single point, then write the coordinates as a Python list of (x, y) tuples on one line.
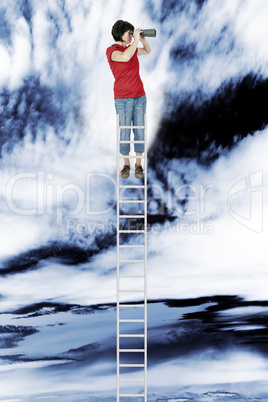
[(147, 32)]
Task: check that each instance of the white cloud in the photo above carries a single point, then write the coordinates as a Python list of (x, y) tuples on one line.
[(5, 65), (223, 370), (230, 260), (21, 53), (251, 32), (41, 51)]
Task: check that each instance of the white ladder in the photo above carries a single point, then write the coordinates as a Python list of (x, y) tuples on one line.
[(141, 352)]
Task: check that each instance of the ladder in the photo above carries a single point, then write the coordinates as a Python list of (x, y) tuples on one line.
[(132, 341)]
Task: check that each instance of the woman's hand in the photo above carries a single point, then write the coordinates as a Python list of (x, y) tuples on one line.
[(137, 33)]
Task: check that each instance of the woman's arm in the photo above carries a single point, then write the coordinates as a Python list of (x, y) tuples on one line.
[(146, 49), (128, 53)]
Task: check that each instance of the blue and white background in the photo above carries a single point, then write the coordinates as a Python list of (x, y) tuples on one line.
[(207, 87)]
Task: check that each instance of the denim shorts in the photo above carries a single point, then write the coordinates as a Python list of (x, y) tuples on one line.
[(131, 110)]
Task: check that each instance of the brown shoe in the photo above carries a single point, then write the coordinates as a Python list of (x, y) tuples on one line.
[(138, 171), (125, 172)]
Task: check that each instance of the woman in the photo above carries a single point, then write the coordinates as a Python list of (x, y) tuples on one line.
[(129, 94)]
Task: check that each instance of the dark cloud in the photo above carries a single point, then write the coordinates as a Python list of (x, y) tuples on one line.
[(48, 308), (203, 130), (200, 3), (31, 107), (206, 328), (92, 353), (171, 8), (183, 53), (212, 325), (26, 10), (11, 335), (5, 30), (64, 253)]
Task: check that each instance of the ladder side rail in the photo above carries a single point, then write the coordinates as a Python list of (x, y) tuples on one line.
[(145, 258), (117, 258)]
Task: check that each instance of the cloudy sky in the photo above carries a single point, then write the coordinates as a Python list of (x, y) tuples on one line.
[(206, 85)]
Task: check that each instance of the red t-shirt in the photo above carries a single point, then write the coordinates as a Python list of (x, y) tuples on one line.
[(128, 83)]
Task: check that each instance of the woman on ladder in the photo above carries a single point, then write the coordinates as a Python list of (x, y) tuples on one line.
[(129, 94)]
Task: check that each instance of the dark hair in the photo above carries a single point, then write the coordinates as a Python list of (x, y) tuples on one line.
[(119, 28)]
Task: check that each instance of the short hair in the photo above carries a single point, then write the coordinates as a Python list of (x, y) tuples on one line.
[(119, 28)]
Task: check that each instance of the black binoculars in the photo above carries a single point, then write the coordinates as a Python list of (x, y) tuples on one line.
[(147, 32)]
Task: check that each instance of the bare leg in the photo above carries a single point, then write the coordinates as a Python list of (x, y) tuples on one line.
[(138, 167), (126, 160), (138, 160)]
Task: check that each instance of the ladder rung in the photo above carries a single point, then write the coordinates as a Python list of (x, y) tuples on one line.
[(131, 245), (131, 157), (131, 231), (131, 142), (131, 216), (132, 320), (123, 261), (131, 126), (133, 186), (131, 201), (131, 305), (132, 365), (131, 335), (131, 290), (134, 395), (131, 276), (131, 380), (131, 350)]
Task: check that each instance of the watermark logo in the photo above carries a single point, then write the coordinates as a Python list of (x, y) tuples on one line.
[(40, 193), (245, 202), (199, 227)]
